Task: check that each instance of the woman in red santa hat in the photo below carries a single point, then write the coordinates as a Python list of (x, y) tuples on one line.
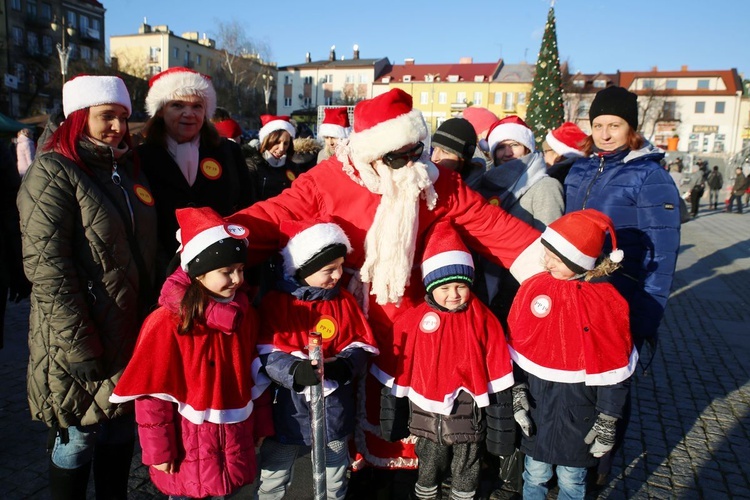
[(335, 127), (271, 167), (191, 374), (561, 148), (385, 194), (451, 362), (186, 161), (569, 332)]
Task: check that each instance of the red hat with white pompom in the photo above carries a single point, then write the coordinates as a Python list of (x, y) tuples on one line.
[(578, 238), (175, 83)]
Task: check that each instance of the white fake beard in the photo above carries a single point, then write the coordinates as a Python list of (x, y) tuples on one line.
[(391, 240), (273, 161)]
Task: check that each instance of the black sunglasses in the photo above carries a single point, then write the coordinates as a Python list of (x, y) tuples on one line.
[(398, 160)]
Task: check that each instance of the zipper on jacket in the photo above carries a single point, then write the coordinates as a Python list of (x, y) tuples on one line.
[(591, 185), (440, 430), (90, 288), (117, 181)]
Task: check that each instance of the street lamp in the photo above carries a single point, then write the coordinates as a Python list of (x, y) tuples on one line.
[(63, 50), (268, 81)]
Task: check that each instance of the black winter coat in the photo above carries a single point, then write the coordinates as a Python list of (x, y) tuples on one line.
[(465, 424), (269, 181)]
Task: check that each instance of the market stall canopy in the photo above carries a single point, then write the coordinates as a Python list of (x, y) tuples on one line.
[(9, 125)]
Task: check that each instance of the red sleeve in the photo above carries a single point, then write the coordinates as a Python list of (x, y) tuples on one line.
[(263, 424), (156, 430)]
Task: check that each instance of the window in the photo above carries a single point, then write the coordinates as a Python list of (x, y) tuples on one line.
[(477, 98), (508, 105), (702, 84), (700, 107), (579, 84), (15, 4), (187, 58), (20, 72), (442, 97), (32, 44), (349, 78), (83, 24), (306, 101), (362, 78), (286, 80), (209, 63), (85, 52), (460, 97), (17, 35), (153, 54), (598, 84), (198, 59), (521, 99), (95, 28), (719, 107), (583, 109), (46, 11), (407, 78), (498, 98), (307, 80), (154, 70), (46, 45), (329, 78), (31, 8), (648, 84), (72, 19), (669, 110), (95, 54), (671, 85), (175, 53), (424, 98), (328, 101), (73, 50), (429, 78), (287, 102)]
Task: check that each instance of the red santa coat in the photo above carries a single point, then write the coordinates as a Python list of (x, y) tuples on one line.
[(441, 353), (194, 404), (326, 192), (571, 331)]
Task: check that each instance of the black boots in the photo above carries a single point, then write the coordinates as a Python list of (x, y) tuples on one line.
[(68, 484), (112, 470)]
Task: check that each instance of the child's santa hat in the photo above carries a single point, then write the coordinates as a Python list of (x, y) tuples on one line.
[(272, 123), (445, 258), (578, 238), (566, 140), (510, 128), (384, 124), (335, 123), (311, 245), (208, 242), (84, 91), (176, 83), (228, 128)]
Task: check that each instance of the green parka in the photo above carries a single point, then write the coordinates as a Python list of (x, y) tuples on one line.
[(89, 291)]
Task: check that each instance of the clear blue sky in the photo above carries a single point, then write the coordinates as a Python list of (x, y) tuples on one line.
[(592, 35)]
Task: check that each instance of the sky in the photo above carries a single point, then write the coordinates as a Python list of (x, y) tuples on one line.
[(592, 35)]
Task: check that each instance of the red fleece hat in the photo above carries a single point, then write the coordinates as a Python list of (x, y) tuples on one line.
[(335, 123), (566, 140), (480, 118), (271, 123), (228, 128), (200, 230)]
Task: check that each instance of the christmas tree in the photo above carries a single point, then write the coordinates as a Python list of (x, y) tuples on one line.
[(545, 109)]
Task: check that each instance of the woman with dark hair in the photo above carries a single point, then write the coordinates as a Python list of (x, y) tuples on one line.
[(271, 167), (89, 229), (620, 176), (186, 161)]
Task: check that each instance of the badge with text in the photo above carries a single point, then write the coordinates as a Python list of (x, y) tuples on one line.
[(327, 327), (143, 194), (430, 322), (541, 305), (211, 168), (290, 175), (235, 231), (494, 200)]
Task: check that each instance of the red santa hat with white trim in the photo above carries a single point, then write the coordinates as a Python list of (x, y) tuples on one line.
[(566, 140), (272, 123), (176, 83), (84, 91), (335, 123), (308, 246), (578, 238), (446, 258), (208, 242), (510, 128), (383, 124)]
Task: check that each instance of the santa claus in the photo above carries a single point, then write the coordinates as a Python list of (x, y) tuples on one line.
[(383, 191)]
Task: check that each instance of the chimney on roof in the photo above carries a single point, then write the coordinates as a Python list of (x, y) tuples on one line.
[(684, 67), (332, 55), (409, 61), (655, 68), (307, 57), (356, 51), (466, 60)]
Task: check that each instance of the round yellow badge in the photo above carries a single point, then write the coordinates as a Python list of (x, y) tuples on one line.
[(143, 194), (327, 327), (211, 168), (290, 175), (494, 201)]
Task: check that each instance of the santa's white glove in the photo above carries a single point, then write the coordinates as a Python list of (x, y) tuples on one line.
[(602, 435), (521, 409)]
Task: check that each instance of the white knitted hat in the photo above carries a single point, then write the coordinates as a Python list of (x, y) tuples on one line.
[(84, 91)]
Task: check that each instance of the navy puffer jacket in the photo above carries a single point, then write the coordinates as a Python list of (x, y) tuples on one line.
[(643, 202)]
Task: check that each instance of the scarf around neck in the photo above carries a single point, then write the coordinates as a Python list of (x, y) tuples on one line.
[(510, 181), (186, 156)]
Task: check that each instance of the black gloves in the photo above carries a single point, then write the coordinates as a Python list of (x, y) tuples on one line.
[(88, 371), (305, 374), (338, 370)]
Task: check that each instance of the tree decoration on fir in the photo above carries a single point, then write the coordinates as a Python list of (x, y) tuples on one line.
[(545, 111)]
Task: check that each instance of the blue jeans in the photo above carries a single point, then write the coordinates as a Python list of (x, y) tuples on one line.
[(571, 480), (79, 450)]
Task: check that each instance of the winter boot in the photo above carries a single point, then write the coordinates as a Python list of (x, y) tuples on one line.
[(112, 470), (68, 484)]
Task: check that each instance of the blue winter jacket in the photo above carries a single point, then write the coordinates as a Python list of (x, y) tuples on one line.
[(643, 202)]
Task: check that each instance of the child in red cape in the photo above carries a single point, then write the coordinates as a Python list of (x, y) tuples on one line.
[(307, 299), (191, 375), (570, 337), (452, 360)]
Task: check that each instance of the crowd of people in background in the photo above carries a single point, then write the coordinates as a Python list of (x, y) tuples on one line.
[(471, 287)]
